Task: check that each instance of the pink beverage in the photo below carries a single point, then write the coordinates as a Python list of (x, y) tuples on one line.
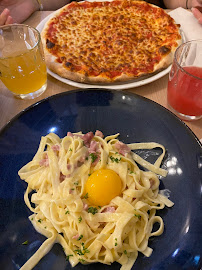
[(185, 91), (185, 81)]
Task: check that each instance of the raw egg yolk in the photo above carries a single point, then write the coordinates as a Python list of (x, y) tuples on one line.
[(102, 186)]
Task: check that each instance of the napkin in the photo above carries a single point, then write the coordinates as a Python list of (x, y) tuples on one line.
[(191, 29)]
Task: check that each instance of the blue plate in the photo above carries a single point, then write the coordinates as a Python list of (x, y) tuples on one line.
[(137, 119)]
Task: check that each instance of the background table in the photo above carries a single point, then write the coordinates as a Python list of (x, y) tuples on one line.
[(10, 106)]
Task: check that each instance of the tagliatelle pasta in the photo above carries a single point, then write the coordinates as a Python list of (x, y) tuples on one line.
[(63, 212)]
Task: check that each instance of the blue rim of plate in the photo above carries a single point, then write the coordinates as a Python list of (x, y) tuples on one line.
[(102, 90)]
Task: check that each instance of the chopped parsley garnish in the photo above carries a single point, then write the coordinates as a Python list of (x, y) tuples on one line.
[(113, 159), (84, 248), (67, 212), (83, 251), (80, 219), (25, 243), (79, 251), (67, 257), (131, 171), (82, 260), (86, 196), (80, 237), (116, 242), (138, 216), (70, 149), (39, 220), (93, 157), (92, 210), (76, 183), (125, 252)]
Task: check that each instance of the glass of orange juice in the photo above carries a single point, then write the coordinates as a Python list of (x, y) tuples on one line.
[(22, 63), (184, 91)]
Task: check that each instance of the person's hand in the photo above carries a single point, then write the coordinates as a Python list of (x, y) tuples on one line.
[(20, 10), (197, 10), (5, 17)]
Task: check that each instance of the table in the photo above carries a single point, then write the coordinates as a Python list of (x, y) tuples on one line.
[(10, 106)]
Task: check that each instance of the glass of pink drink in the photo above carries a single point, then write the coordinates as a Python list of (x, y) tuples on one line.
[(184, 92)]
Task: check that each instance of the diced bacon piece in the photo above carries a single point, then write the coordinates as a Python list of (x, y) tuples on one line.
[(56, 148), (122, 148), (93, 148), (69, 134), (44, 161), (110, 209), (87, 138), (71, 190), (85, 206), (152, 182), (75, 237), (69, 166), (82, 159), (99, 134), (62, 177), (96, 160)]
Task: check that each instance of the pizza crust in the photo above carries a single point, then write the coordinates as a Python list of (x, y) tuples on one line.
[(168, 59), (60, 70)]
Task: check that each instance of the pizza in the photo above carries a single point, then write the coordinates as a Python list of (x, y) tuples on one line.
[(111, 41)]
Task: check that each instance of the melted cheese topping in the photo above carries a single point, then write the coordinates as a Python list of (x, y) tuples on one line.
[(111, 38)]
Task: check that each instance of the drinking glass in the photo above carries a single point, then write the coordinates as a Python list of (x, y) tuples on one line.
[(22, 63), (184, 93)]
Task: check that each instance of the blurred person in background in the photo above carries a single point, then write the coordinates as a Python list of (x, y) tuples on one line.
[(17, 11), (20, 10), (188, 4)]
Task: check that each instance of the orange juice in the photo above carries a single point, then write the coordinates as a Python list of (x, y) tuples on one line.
[(23, 73)]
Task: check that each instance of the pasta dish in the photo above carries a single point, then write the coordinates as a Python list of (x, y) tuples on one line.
[(91, 197)]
